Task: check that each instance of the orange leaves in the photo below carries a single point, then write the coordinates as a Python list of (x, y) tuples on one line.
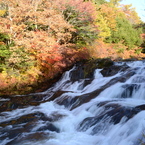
[(27, 17), (3, 83), (60, 29), (41, 37), (44, 48), (49, 56)]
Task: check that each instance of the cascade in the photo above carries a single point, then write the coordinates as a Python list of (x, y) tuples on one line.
[(105, 108)]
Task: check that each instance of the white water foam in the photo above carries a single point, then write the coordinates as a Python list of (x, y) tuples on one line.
[(123, 133)]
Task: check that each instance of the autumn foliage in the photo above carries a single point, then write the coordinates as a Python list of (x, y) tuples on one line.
[(36, 38), (39, 38)]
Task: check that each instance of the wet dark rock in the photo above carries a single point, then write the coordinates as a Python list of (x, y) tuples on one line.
[(112, 70), (139, 79), (129, 74), (15, 132), (113, 113), (106, 62), (140, 107), (87, 82), (25, 119), (77, 73), (130, 59), (118, 111), (15, 128), (91, 65), (50, 127), (66, 101), (55, 116), (129, 89), (56, 95), (21, 101), (74, 102), (31, 137), (86, 69), (30, 119), (100, 104)]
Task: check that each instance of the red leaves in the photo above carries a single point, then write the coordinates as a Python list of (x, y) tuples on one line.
[(49, 56), (33, 46), (8, 26)]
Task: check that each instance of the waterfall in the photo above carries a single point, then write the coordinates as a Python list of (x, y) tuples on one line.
[(107, 108)]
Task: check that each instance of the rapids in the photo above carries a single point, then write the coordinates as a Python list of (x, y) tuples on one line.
[(106, 108)]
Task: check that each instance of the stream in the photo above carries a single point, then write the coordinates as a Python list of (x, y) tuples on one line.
[(105, 107)]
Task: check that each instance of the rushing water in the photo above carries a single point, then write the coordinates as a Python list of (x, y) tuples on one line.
[(105, 109)]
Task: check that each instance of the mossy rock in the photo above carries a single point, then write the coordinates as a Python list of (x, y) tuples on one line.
[(91, 65)]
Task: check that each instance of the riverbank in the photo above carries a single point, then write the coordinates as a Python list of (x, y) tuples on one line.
[(40, 40), (103, 55), (107, 57), (82, 109)]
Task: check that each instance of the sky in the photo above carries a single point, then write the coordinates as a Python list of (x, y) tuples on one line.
[(139, 5)]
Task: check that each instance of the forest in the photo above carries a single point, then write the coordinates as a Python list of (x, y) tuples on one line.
[(39, 39)]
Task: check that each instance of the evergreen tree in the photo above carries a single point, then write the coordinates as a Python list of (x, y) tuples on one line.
[(125, 33)]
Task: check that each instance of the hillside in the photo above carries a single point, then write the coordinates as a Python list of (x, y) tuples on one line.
[(39, 39)]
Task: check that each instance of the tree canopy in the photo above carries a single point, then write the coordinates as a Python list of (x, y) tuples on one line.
[(38, 38)]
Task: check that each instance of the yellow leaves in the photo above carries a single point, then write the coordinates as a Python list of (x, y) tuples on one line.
[(3, 82), (109, 14), (33, 72), (18, 80), (3, 75), (2, 12), (103, 27), (7, 81)]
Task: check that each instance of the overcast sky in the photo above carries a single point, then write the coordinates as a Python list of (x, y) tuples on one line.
[(139, 5)]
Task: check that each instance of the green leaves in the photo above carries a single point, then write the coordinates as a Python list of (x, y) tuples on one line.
[(99, 2), (4, 38), (125, 33), (11, 56), (4, 51), (4, 47), (84, 34), (20, 59)]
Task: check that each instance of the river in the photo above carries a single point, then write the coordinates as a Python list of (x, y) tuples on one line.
[(106, 108)]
